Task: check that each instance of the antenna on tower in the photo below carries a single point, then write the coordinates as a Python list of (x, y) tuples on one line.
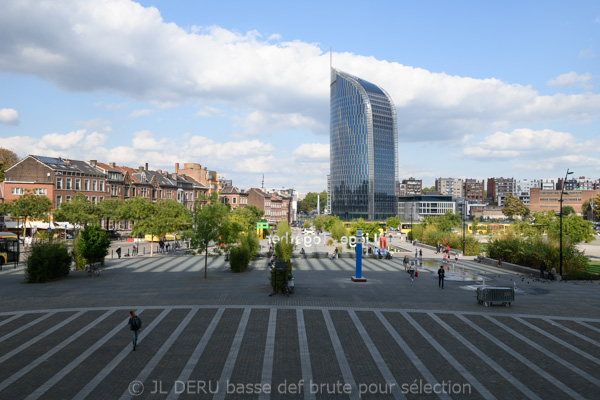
[(263, 182)]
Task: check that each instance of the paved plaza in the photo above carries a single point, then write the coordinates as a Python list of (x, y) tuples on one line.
[(226, 338)]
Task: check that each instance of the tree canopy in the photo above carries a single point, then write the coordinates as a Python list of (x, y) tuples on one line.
[(78, 211), (513, 206), (93, 243), (8, 158), (208, 223), (30, 205), (309, 203)]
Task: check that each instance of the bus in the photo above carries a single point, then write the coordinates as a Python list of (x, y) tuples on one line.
[(10, 250), (169, 236)]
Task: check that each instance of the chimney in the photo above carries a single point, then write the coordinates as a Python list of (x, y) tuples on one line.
[(93, 163), (146, 166), (141, 169), (176, 167), (112, 164), (174, 175), (165, 174), (159, 171)]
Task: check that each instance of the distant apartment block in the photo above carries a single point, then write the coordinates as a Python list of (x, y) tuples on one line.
[(410, 187), (474, 190), (449, 187), (500, 186), (581, 183)]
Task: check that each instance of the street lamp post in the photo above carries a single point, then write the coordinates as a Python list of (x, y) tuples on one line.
[(463, 226), (562, 191), (412, 206)]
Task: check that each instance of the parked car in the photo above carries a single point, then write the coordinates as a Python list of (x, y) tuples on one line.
[(308, 231)]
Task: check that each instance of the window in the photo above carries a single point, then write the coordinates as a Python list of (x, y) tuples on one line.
[(233, 200), (40, 192), (102, 186), (77, 184), (68, 187), (59, 183), (67, 198), (86, 184), (58, 200), (114, 190), (94, 200), (17, 191), (94, 185)]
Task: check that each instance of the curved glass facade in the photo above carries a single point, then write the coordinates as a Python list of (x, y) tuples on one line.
[(363, 150)]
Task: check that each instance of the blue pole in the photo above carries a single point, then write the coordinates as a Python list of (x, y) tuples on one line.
[(358, 249)]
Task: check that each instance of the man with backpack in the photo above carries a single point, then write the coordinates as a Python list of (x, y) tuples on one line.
[(135, 324)]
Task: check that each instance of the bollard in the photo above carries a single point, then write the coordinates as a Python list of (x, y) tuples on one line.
[(111, 254)]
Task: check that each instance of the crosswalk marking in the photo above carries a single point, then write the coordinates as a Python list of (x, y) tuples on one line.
[(459, 367), (78, 360), (505, 374), (383, 368), (307, 375), (162, 351), (267, 371), (91, 385), (54, 350), (556, 358), (562, 342), (232, 356), (40, 336), (25, 327), (340, 356), (518, 328), (410, 354), (193, 360)]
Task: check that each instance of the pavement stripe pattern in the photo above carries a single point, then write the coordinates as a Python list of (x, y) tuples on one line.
[(529, 369)]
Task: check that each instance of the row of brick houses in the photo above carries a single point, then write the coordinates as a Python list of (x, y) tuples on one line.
[(61, 179)]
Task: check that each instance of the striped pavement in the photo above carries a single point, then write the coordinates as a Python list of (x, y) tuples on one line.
[(263, 352)]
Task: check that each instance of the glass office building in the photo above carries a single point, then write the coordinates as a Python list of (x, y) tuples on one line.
[(363, 150)]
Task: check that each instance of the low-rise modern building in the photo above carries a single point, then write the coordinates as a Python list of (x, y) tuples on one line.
[(549, 200), (418, 207)]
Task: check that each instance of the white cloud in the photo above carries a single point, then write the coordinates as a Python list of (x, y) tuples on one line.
[(121, 47), (572, 78), (9, 116), (526, 142), (209, 112), (97, 124), (140, 113), (317, 151)]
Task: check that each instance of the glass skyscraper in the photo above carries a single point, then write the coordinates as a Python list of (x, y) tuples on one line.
[(364, 150)]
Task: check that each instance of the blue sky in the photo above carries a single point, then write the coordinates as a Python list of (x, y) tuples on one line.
[(481, 89)]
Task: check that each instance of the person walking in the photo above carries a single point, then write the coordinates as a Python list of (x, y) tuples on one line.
[(405, 263), (421, 254), (412, 269), (441, 275), (135, 325), (416, 253), (119, 252), (542, 269)]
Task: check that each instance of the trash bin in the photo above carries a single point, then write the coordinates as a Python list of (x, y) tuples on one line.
[(487, 295)]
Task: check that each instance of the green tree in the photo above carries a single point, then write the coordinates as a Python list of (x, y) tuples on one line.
[(32, 206), (5, 208), (247, 217), (319, 222), (330, 221), (474, 225), (284, 246), (309, 203), (568, 210), (8, 158), (206, 228), (428, 189), (338, 230), (446, 222), (575, 229), (109, 209), (79, 211), (392, 222), (596, 208), (369, 231), (306, 224), (93, 243), (166, 216), (513, 206)]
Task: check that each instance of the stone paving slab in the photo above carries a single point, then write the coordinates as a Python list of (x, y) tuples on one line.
[(225, 338)]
